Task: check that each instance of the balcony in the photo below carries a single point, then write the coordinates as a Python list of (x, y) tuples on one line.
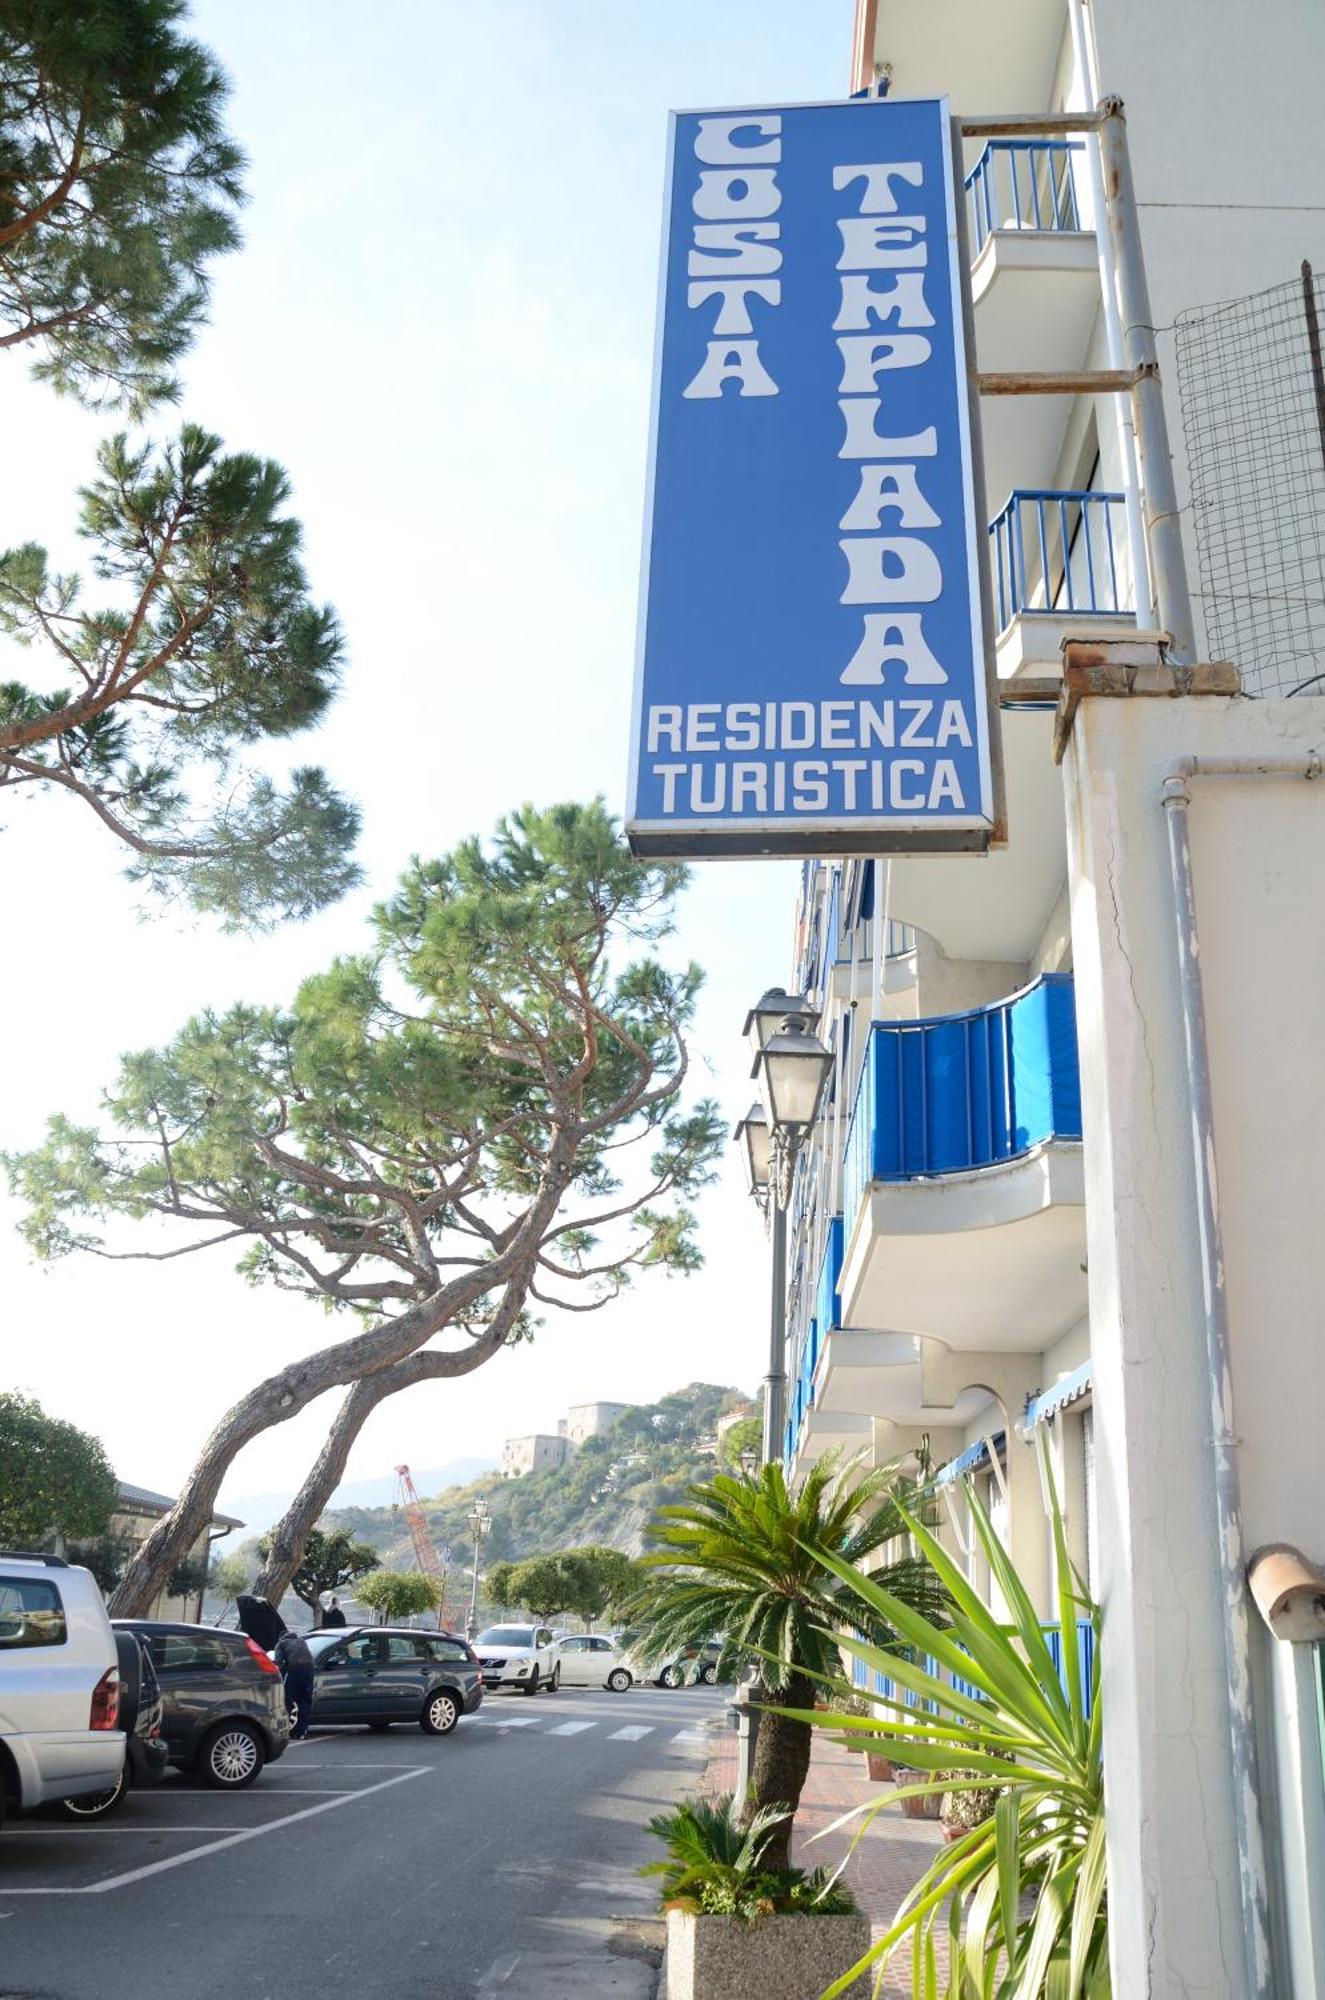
[(1022, 185), (1035, 287), (1061, 568), (985, 59), (963, 1191)]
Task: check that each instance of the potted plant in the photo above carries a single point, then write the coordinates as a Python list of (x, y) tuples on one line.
[(736, 1924), (962, 1808)]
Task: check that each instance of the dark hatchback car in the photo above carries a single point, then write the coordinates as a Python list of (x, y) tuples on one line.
[(378, 1675), (223, 1703)]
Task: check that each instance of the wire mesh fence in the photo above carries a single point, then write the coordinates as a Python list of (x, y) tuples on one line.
[(1252, 387)]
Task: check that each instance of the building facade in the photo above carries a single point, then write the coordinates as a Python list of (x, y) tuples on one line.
[(137, 1512), (996, 1242), (532, 1454), (589, 1420)]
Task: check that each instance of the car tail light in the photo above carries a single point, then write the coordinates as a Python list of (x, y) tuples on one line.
[(267, 1664), (106, 1701)]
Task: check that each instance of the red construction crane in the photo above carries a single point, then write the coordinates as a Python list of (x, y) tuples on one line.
[(425, 1549)]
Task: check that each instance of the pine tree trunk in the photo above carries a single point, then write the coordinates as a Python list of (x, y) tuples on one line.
[(781, 1764), (289, 1538), (283, 1396)]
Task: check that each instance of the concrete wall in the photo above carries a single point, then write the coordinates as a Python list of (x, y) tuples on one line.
[(1259, 857), (1228, 152)]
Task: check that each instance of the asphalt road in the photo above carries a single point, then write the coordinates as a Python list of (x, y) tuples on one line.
[(498, 1863)]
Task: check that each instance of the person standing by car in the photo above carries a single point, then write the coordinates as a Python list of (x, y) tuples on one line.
[(333, 1615), (292, 1656)]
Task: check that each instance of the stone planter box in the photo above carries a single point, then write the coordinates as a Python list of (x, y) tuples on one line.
[(779, 1958), (879, 1767)]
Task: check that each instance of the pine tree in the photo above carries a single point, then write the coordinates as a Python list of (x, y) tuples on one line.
[(208, 642), (118, 186), (475, 1119)]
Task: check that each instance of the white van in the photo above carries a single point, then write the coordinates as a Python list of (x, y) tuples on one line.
[(59, 1684)]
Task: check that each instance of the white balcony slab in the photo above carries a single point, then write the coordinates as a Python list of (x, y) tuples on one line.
[(881, 1375), (994, 906), (1036, 298), (990, 1259), (1032, 643), (983, 58), (846, 1431)]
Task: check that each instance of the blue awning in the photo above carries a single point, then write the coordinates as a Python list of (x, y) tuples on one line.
[(1050, 1401), (966, 1461)]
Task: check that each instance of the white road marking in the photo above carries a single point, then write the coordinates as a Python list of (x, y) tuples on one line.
[(631, 1735), (571, 1728), (506, 1721), (229, 1840), (64, 1832), (689, 1739)]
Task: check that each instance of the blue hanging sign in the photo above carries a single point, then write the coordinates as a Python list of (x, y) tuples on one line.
[(813, 674)]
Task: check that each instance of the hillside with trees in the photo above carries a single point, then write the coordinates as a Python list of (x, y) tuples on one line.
[(603, 1496)]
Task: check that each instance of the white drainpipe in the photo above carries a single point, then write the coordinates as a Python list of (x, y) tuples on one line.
[(1247, 1798)]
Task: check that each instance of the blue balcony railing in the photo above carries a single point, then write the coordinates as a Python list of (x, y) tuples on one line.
[(965, 1090), (887, 1689), (1021, 184), (1060, 552), (1085, 1657)]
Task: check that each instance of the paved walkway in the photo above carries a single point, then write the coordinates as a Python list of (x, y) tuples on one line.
[(890, 1857)]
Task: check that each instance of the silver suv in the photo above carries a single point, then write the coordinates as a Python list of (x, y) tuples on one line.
[(59, 1685)]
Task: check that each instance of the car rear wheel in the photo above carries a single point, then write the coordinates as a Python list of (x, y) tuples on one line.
[(441, 1712), (619, 1680), (531, 1685), (670, 1677), (231, 1757), (96, 1805), (707, 1676)]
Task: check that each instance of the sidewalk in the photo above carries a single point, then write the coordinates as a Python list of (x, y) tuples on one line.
[(891, 1856)]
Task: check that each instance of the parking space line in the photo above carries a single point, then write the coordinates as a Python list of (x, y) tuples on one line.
[(145, 1831), (228, 1840)]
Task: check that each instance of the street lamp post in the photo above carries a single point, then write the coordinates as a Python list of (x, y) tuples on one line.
[(792, 1066), (480, 1521)]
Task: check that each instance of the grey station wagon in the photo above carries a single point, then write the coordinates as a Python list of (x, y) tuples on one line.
[(224, 1703), (382, 1674)]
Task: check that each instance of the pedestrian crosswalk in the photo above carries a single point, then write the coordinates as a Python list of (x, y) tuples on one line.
[(498, 1721)]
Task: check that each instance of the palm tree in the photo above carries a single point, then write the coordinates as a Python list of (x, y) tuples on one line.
[(740, 1558)]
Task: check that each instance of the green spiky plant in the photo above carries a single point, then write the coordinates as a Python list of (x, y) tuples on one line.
[(1021, 1897), (717, 1865), (746, 1559)]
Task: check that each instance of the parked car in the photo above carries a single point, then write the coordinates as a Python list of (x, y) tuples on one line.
[(591, 1660), (519, 1656), (224, 1704), (680, 1668), (59, 1685), (379, 1674), (142, 1710), (692, 1663)]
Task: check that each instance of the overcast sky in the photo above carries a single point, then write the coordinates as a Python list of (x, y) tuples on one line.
[(441, 323)]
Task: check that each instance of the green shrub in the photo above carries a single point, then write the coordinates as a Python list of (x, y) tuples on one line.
[(713, 1867)]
